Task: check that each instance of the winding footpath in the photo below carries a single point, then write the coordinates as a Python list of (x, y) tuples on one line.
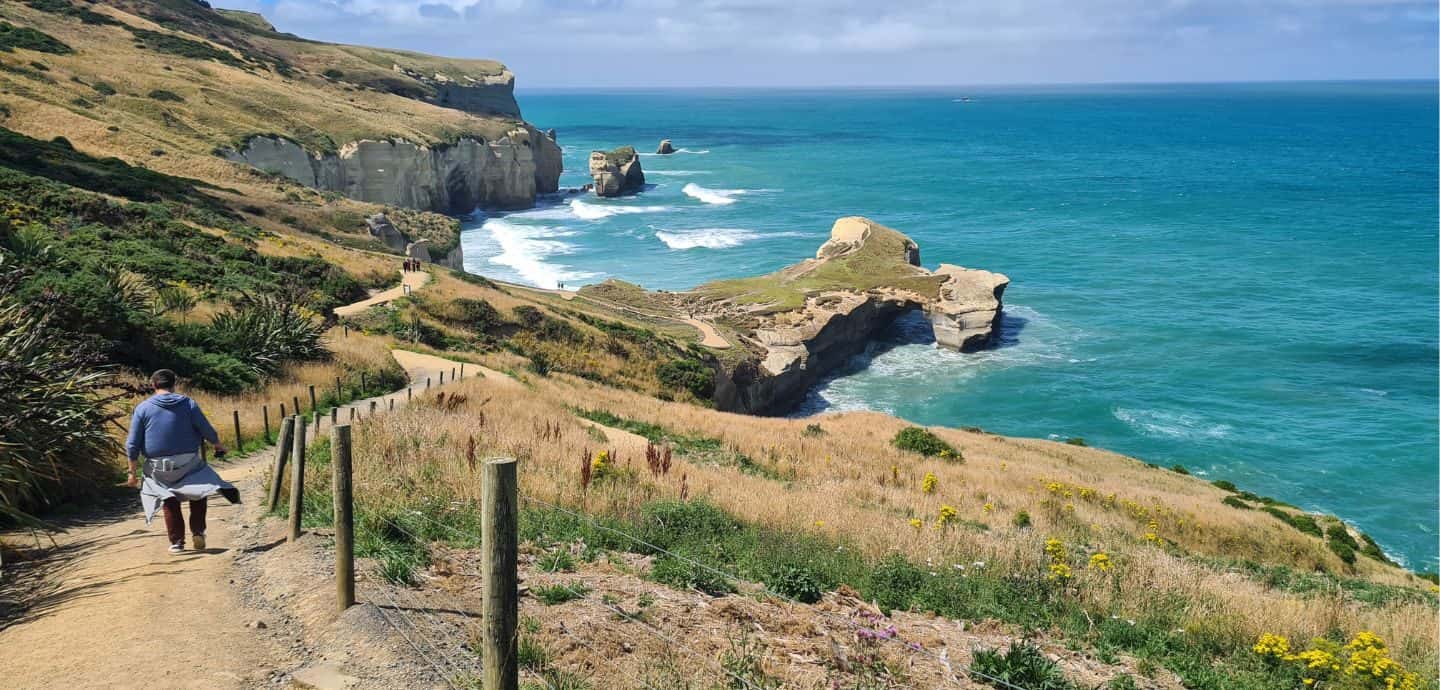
[(110, 608), (413, 280)]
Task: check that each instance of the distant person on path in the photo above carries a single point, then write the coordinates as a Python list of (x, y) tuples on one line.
[(168, 429)]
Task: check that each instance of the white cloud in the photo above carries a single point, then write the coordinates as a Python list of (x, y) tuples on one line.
[(828, 41)]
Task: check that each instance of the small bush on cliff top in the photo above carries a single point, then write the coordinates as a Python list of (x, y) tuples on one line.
[(924, 442), (688, 374)]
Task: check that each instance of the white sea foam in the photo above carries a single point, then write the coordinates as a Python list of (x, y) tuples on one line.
[(525, 249), (677, 173), (891, 372), (707, 238), (585, 210), (1172, 424), (693, 153), (712, 196)]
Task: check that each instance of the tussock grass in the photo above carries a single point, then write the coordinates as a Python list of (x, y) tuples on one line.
[(852, 489)]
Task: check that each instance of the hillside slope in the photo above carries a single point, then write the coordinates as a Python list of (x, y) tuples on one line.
[(175, 85)]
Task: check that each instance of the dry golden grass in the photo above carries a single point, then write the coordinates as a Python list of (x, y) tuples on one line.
[(353, 353), (844, 485)]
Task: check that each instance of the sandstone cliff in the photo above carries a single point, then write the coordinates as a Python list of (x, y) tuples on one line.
[(459, 177), (616, 172), (806, 320)]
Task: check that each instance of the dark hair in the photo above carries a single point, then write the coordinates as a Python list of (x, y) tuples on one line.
[(163, 378)]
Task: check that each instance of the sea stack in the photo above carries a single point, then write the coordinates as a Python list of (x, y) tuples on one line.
[(616, 172), (806, 320), (665, 148)]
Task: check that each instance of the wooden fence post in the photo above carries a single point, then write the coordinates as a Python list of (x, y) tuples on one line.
[(314, 405), (462, 370), (427, 383), (282, 411), (297, 479), (498, 540), (238, 442), (282, 451), (344, 517), (392, 404), (265, 412), (372, 408), (363, 387), (334, 416), (452, 374), (339, 391), (442, 378), (352, 413), (409, 393), (298, 411)]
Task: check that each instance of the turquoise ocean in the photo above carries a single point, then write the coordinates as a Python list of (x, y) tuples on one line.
[(1240, 279)]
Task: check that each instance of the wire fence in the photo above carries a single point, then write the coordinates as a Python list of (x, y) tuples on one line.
[(452, 671)]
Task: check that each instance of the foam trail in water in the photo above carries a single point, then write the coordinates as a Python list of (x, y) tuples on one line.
[(711, 196), (525, 248), (677, 173), (1171, 424), (693, 153), (587, 211), (706, 238)]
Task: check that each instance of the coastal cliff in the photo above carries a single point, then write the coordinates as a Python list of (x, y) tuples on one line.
[(805, 321), (456, 177)]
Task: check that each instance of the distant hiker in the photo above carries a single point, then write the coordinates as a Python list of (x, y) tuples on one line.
[(168, 429)]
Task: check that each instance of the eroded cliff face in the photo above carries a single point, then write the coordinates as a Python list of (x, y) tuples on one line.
[(616, 172), (456, 177), (807, 320)]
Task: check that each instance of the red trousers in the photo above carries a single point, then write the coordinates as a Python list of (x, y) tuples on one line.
[(175, 524)]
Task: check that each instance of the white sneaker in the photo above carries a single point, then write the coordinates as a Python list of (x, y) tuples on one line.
[(177, 549), (199, 541)]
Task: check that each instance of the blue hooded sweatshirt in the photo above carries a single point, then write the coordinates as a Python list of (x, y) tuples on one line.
[(168, 424)]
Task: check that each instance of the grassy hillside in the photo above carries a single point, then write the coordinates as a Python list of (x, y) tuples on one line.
[(1066, 544)]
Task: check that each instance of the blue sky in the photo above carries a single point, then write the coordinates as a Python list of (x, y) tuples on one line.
[(667, 43)]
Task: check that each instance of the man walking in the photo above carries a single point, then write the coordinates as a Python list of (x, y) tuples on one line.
[(168, 429)]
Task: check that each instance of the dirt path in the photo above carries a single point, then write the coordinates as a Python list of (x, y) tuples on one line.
[(115, 610), (709, 336), (414, 280)]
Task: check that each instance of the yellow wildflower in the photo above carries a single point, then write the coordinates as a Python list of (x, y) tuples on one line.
[(917, 523), (1059, 572), (1100, 561), (928, 482), (601, 464), (1272, 645), (948, 516), (988, 507)]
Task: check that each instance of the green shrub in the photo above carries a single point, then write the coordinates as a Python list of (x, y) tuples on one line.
[(813, 431), (169, 96), (531, 654), (1343, 550), (171, 44), (681, 573), (1235, 502), (1179, 469), (1022, 665), (1223, 485), (924, 442), (85, 15), (1076, 441), (12, 37), (1299, 521), (477, 314), (796, 583), (558, 594), (53, 415), (103, 89), (333, 73), (688, 374), (894, 582), (1021, 520)]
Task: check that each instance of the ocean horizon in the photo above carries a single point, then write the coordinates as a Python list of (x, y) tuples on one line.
[(1236, 278)]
